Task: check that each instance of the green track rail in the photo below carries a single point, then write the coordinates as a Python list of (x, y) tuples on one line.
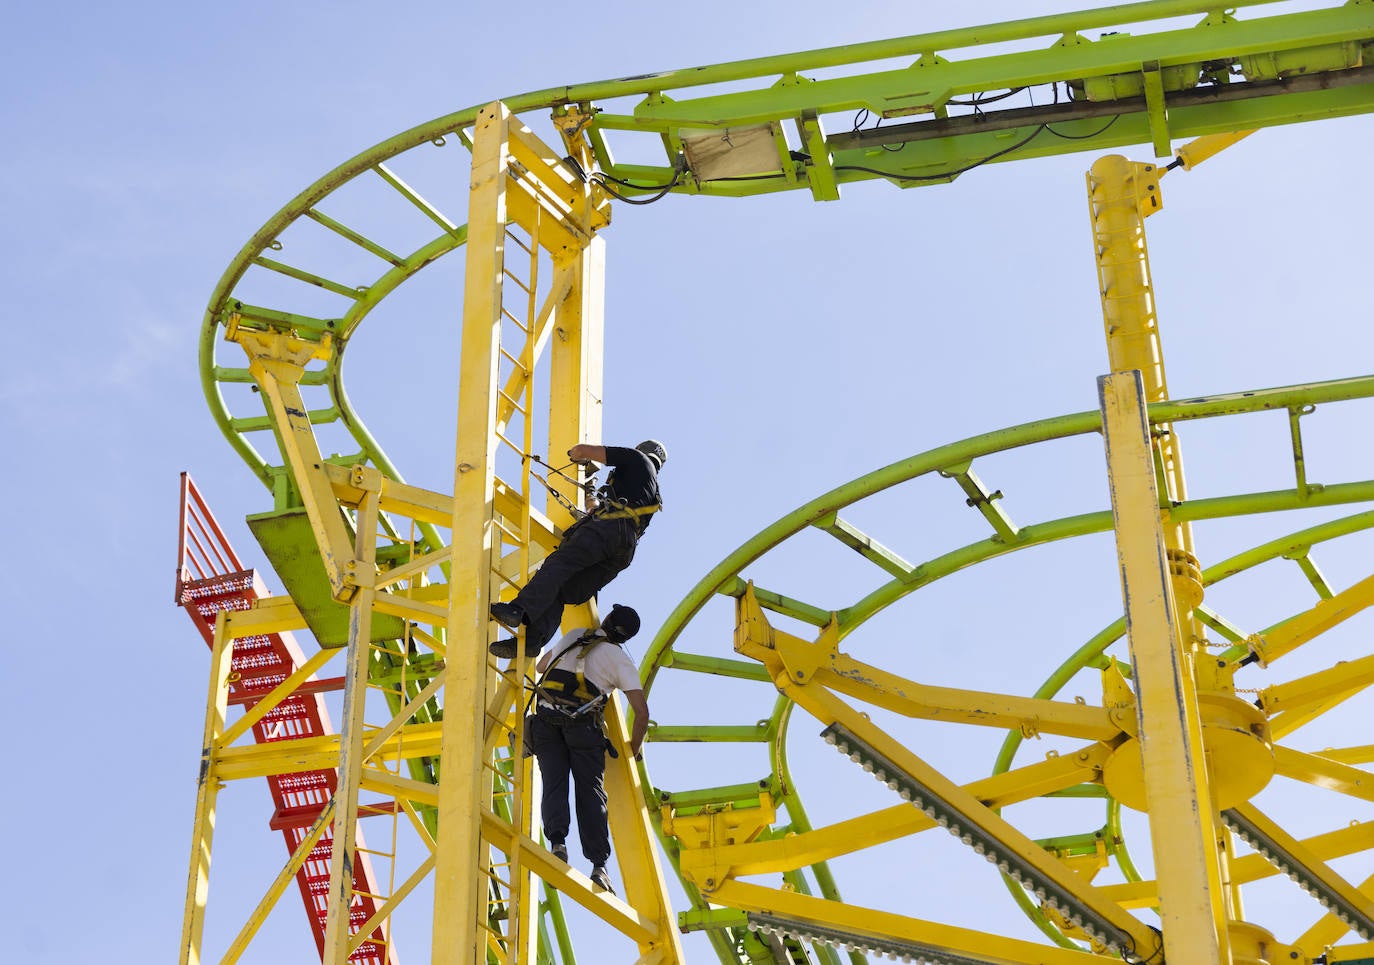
[(678, 672), (912, 111), (933, 110)]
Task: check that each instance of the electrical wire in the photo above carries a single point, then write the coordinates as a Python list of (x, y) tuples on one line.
[(978, 100), (605, 180), (947, 175), (1084, 137)]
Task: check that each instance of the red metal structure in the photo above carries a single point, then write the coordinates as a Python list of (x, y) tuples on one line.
[(210, 578)]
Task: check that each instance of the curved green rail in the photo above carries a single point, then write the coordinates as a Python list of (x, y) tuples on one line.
[(729, 577), (1223, 73), (932, 107)]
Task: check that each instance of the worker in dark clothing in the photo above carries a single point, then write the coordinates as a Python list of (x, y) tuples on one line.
[(593, 550), (578, 675)]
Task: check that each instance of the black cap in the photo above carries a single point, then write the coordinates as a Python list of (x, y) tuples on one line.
[(621, 623)]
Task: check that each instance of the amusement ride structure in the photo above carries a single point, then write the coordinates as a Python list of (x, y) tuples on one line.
[(1170, 762)]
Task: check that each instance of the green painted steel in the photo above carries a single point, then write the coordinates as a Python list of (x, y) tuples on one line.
[(934, 102), (729, 578), (1292, 67)]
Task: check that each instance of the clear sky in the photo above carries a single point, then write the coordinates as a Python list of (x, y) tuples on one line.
[(778, 346)]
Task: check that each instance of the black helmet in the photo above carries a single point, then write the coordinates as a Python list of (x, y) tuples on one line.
[(621, 623), (655, 451)]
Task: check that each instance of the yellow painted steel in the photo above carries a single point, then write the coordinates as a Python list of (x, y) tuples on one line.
[(1183, 833), (525, 209), (885, 926), (361, 574), (795, 667), (485, 863), (277, 362), (459, 894), (1307, 626), (207, 790), (1172, 739)]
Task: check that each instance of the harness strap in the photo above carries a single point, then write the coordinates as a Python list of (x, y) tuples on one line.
[(555, 694), (628, 512)]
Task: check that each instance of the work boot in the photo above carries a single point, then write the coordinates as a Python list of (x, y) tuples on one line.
[(507, 614), (601, 879), (505, 649), (559, 850)]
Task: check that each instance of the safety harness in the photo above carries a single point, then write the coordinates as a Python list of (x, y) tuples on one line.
[(567, 696), (608, 506)]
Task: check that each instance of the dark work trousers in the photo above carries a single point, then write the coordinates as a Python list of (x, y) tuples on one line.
[(577, 750), (589, 557)]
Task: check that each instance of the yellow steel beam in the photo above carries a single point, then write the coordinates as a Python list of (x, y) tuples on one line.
[(1360, 954), (316, 753), (278, 886), (279, 693), (1324, 772), (1313, 869), (636, 846), (207, 790), (864, 925), (1200, 149), (925, 702), (1294, 632), (1327, 846), (792, 668), (1343, 680), (1182, 824), (277, 361), (569, 882), (273, 614), (1359, 754), (343, 857), (889, 824), (1122, 194), (458, 895)]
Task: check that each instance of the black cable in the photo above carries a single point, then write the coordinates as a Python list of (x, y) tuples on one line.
[(663, 189), (978, 99), (1084, 137), (948, 175), (602, 178)]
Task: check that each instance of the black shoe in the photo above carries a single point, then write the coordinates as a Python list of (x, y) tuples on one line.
[(505, 649), (559, 850), (602, 880), (507, 614)]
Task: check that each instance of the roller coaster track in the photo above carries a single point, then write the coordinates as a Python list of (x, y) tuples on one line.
[(912, 111)]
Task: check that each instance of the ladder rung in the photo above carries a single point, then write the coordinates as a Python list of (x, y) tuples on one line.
[(518, 449), (513, 534), (511, 275), (518, 406), (515, 320), (516, 238)]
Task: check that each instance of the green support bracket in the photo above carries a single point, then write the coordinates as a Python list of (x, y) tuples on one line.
[(1156, 109), (863, 544), (982, 500)]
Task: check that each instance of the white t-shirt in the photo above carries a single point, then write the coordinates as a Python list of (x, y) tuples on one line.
[(608, 666)]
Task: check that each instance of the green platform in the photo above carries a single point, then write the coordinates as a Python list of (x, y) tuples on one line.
[(289, 543)]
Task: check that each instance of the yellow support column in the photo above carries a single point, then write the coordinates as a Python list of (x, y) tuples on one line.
[(1166, 642), (1182, 825), (457, 899), (207, 789), (360, 572)]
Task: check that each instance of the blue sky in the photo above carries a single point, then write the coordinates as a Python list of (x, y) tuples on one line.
[(778, 346)]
